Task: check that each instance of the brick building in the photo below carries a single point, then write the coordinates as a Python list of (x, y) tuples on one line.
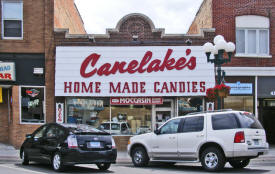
[(250, 25), (139, 78), (27, 63)]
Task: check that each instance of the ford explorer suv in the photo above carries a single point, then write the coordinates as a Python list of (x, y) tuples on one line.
[(211, 138)]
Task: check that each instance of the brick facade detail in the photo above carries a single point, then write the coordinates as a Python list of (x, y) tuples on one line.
[(66, 15), (203, 18)]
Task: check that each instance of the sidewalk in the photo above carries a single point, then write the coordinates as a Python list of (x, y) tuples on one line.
[(10, 154)]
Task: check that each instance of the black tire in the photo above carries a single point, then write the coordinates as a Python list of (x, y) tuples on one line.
[(103, 166), (140, 157), (57, 162), (24, 158), (212, 159), (239, 164)]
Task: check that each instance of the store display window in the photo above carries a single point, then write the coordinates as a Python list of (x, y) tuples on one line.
[(131, 119), (117, 119), (242, 103), (189, 104), (87, 111), (32, 105)]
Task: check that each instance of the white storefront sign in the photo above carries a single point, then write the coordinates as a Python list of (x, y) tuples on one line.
[(59, 113), (132, 71), (7, 71)]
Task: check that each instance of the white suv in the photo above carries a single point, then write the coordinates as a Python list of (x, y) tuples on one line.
[(213, 138)]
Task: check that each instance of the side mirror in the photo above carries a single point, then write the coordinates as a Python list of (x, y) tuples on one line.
[(28, 135), (157, 131)]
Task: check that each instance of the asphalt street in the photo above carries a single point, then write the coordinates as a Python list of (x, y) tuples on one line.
[(258, 167)]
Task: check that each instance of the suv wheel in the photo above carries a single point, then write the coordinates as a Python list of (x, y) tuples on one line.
[(212, 159), (24, 158), (140, 157), (57, 162), (103, 166), (238, 164)]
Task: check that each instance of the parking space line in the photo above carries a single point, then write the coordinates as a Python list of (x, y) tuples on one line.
[(20, 169)]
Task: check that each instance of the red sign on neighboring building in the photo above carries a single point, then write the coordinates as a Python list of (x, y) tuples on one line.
[(136, 100)]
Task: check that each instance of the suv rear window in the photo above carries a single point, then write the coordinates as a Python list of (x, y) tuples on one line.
[(248, 120), (235, 120), (224, 121)]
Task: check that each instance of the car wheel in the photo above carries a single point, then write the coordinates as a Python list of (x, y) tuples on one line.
[(212, 159), (103, 166), (57, 162), (140, 157), (238, 164), (24, 158)]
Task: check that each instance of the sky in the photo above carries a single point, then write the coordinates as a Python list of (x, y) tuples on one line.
[(174, 15)]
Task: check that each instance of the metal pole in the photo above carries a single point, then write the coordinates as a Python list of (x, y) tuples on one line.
[(219, 82)]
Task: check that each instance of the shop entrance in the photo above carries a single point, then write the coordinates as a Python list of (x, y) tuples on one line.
[(162, 113), (267, 118)]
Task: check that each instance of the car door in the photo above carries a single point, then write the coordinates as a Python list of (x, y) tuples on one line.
[(165, 142), (53, 137), (35, 143), (191, 134)]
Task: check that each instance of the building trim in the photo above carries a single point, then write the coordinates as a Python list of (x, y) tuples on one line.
[(249, 71)]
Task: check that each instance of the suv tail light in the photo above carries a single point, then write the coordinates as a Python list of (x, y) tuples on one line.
[(239, 137), (72, 141), (113, 143)]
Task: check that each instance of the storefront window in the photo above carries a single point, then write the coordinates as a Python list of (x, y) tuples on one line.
[(125, 119), (189, 105), (131, 119), (242, 103), (32, 100), (87, 111)]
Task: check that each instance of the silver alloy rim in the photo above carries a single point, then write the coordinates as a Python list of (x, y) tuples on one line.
[(101, 164), (138, 157), (211, 160), (56, 161)]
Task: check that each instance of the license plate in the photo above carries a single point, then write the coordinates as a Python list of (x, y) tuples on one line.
[(94, 144), (256, 142)]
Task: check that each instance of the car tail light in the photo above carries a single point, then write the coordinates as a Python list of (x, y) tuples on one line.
[(239, 137), (113, 143), (72, 141)]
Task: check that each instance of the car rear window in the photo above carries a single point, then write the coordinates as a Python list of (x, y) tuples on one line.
[(82, 128), (224, 121), (248, 120)]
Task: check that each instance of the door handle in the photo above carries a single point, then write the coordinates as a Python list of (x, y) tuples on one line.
[(201, 135), (172, 137)]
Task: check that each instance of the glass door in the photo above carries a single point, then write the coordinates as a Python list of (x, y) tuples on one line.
[(162, 113)]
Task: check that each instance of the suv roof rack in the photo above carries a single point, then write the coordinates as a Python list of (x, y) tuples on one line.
[(202, 112)]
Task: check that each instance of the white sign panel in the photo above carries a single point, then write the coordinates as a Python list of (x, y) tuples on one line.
[(7, 71), (59, 113), (132, 71)]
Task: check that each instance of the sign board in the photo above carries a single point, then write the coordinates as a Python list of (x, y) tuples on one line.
[(210, 106), (7, 71), (136, 71), (136, 100), (240, 88), (59, 112)]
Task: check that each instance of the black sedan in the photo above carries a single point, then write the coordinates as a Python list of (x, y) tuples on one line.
[(69, 144)]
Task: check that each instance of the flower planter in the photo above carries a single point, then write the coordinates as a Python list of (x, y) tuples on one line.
[(222, 93)]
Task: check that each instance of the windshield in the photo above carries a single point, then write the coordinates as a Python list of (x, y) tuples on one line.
[(248, 120)]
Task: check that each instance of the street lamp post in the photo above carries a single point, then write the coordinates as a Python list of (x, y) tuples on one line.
[(218, 50)]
